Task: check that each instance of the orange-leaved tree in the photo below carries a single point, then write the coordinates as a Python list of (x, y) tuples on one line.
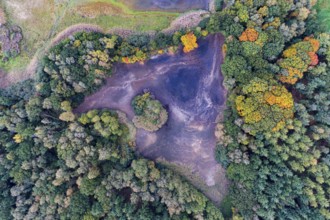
[(297, 58), (189, 42), (250, 34), (139, 56), (264, 106)]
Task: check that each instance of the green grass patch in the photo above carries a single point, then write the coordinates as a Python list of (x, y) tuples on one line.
[(136, 22), (19, 63), (126, 19), (41, 22), (128, 10), (323, 9)]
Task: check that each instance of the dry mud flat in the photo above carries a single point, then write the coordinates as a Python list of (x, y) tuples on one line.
[(190, 87)]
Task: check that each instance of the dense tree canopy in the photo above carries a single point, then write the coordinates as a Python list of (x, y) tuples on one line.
[(56, 164), (264, 105), (276, 136), (274, 141)]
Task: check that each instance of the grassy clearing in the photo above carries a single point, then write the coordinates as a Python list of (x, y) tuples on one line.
[(215, 193), (41, 20), (16, 63), (127, 8), (36, 19), (114, 14), (323, 9)]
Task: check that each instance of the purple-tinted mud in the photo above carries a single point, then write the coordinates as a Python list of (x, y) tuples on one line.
[(190, 87), (170, 5)]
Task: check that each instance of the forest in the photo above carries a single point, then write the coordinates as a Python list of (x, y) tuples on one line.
[(277, 146), (56, 164)]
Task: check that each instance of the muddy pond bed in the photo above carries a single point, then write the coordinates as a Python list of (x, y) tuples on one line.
[(190, 87), (167, 5)]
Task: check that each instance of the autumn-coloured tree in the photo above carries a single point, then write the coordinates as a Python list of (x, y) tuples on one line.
[(314, 58), (297, 59), (292, 75), (263, 11), (264, 106), (274, 24), (18, 138), (189, 42), (242, 11), (109, 43), (250, 34), (100, 55), (314, 43), (139, 56)]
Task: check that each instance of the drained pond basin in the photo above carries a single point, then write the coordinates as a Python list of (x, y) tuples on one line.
[(190, 87)]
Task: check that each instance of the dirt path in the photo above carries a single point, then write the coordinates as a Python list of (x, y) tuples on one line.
[(187, 20), (17, 76), (212, 6)]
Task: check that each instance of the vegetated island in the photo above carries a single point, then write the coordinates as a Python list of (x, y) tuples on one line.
[(149, 112)]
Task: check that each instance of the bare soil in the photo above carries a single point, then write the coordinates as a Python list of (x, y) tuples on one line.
[(187, 20)]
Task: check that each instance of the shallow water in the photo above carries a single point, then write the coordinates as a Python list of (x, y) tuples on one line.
[(190, 87), (169, 5)]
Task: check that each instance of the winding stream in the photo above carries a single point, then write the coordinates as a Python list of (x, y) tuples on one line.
[(190, 87)]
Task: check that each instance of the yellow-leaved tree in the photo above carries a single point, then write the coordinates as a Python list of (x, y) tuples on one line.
[(264, 106), (189, 42), (297, 58)]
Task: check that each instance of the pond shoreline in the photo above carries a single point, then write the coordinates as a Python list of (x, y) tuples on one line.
[(190, 87)]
